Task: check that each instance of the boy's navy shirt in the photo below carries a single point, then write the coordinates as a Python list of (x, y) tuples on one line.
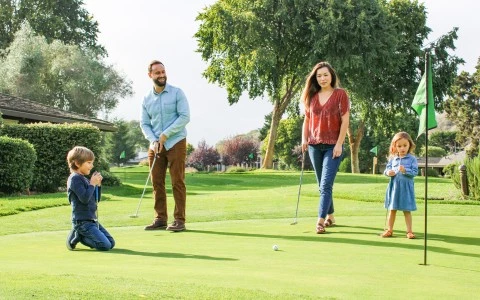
[(81, 195)]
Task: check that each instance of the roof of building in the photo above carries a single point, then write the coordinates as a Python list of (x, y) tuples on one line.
[(440, 162), (27, 111)]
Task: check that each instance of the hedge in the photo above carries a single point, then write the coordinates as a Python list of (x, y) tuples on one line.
[(52, 143), (17, 159)]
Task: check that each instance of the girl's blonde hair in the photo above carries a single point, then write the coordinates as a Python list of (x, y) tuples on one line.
[(311, 84), (79, 155), (401, 135)]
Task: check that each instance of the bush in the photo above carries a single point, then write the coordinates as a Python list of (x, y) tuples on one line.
[(345, 165), (143, 162), (236, 170), (433, 151), (52, 143), (16, 170), (473, 175), (431, 172)]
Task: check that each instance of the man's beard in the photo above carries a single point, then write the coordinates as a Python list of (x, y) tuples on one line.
[(158, 83)]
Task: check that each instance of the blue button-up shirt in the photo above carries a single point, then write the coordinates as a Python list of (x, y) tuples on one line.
[(165, 113)]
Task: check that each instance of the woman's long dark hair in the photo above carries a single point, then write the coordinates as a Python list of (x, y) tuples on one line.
[(311, 85)]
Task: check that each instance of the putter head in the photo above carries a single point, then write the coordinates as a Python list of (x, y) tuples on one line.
[(133, 216), (294, 223)]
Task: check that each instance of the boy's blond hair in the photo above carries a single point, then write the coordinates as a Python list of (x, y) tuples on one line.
[(78, 155)]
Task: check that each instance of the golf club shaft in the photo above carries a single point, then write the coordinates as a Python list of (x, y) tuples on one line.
[(146, 183), (299, 187), (96, 212)]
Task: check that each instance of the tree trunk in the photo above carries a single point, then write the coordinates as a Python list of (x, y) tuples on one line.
[(272, 136), (280, 105), (354, 142)]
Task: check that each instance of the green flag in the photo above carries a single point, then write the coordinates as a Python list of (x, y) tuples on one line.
[(374, 150), (122, 155), (420, 101)]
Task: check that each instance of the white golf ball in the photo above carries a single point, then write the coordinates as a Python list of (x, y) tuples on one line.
[(275, 247)]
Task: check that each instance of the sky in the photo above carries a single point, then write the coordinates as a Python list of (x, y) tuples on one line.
[(137, 32)]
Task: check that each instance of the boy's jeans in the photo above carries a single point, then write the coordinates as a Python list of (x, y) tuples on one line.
[(93, 236), (326, 169)]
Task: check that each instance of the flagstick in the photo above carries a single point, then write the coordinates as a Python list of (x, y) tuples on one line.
[(427, 58)]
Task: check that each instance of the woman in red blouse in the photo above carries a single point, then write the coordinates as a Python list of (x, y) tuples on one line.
[(326, 122)]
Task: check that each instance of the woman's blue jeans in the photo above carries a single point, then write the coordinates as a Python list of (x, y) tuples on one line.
[(94, 235), (326, 169)]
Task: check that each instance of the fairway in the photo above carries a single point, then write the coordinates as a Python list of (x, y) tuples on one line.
[(226, 255)]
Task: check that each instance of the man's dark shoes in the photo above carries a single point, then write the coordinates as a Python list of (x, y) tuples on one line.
[(177, 226), (72, 239), (156, 225)]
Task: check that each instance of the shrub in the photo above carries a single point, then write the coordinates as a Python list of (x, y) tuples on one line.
[(202, 157), (16, 170), (473, 175), (143, 162), (52, 143), (431, 172), (345, 165), (433, 151), (235, 170)]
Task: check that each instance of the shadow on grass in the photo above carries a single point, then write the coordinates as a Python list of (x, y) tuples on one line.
[(167, 254), (431, 237), (381, 243)]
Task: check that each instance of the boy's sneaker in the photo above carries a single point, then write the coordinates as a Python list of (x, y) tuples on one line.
[(72, 239), (177, 226)]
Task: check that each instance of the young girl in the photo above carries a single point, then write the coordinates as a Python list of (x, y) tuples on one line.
[(401, 167), (83, 195)]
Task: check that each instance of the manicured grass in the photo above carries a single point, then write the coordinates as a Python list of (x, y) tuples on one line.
[(226, 253)]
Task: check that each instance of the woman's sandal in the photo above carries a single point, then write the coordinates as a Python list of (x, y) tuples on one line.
[(329, 223), (410, 235), (387, 233), (320, 228)]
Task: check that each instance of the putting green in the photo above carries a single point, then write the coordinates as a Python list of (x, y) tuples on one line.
[(234, 259)]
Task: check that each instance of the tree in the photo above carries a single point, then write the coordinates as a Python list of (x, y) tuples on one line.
[(239, 149), (60, 75), (64, 20), (289, 137), (259, 47), (381, 99), (135, 135), (443, 139), (203, 156), (123, 145), (463, 109), (267, 48)]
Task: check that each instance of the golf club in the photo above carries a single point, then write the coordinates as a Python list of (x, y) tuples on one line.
[(144, 188), (299, 188), (96, 212)]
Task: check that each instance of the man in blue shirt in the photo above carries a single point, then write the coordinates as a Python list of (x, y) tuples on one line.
[(165, 113)]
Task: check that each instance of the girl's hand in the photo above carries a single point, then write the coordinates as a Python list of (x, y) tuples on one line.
[(337, 151), (391, 173), (402, 169), (304, 147)]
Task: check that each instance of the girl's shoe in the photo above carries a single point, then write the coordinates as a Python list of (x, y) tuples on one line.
[(410, 235), (329, 222), (387, 233), (320, 228)]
